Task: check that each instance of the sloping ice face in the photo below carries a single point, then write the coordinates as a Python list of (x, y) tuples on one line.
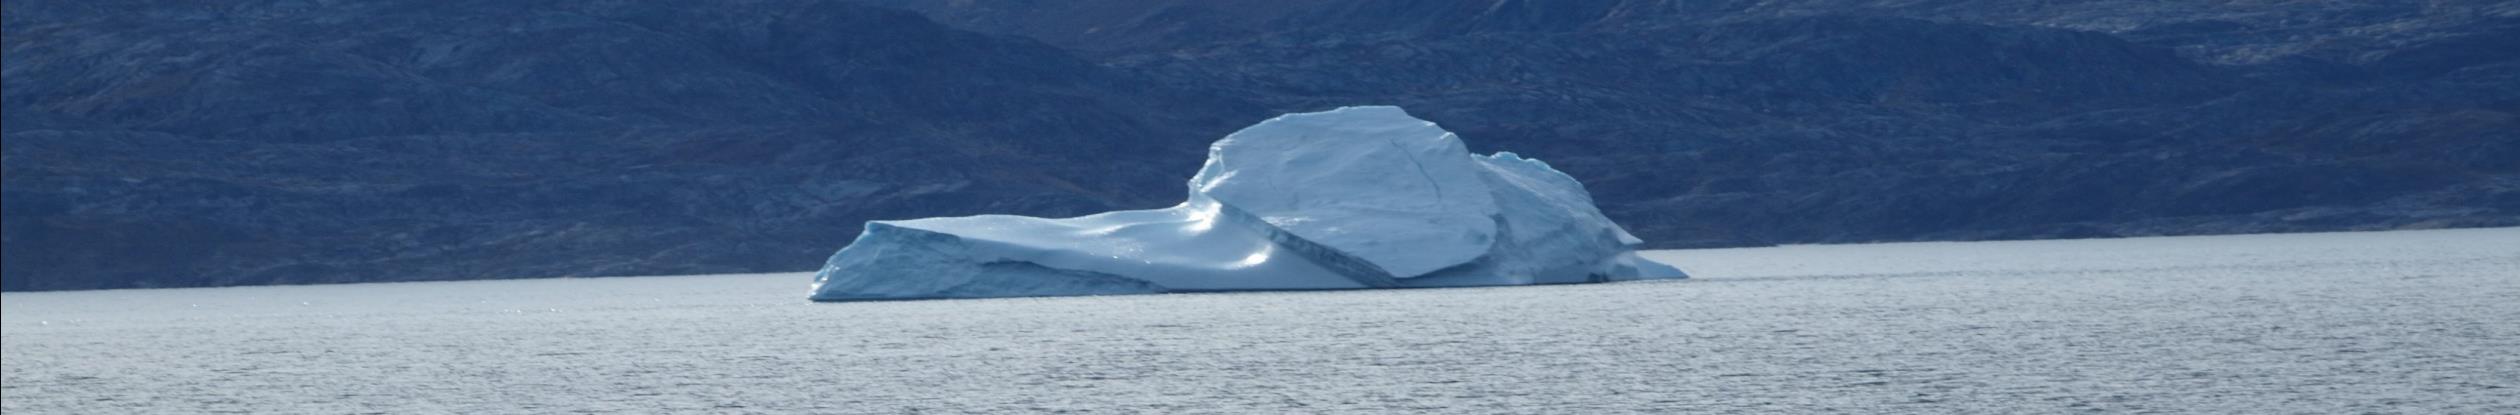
[(1357, 197)]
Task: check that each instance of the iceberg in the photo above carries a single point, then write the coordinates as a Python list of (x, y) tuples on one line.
[(1351, 198)]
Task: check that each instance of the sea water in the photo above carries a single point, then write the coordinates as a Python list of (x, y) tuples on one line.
[(2386, 322)]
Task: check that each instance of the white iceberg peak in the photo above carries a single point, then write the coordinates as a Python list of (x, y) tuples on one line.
[(1372, 182), (1357, 197)]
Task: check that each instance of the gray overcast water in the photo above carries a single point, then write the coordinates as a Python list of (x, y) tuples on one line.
[(2395, 322)]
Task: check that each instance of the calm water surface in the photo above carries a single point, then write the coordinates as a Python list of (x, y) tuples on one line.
[(2393, 322)]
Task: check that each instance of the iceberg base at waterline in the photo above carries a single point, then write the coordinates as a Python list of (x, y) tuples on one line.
[(1352, 198)]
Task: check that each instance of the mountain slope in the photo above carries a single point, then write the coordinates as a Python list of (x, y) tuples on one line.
[(167, 143), (1713, 123), (252, 142)]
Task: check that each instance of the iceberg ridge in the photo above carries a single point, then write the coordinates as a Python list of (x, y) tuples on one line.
[(1356, 197)]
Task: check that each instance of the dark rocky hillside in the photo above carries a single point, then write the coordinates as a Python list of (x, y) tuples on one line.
[(1720, 122), (173, 143)]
